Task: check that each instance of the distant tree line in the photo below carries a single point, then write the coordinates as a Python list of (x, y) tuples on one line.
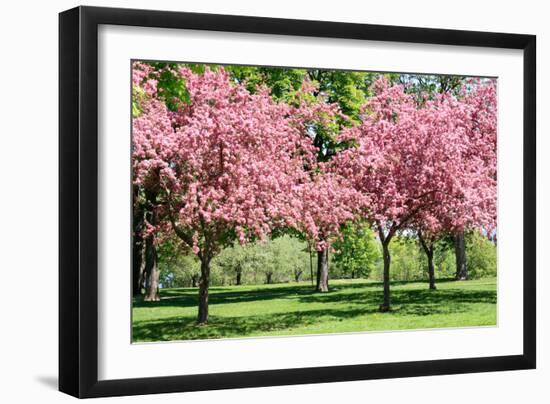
[(357, 256)]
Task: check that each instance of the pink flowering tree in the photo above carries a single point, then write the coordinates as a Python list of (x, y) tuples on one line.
[(230, 165), (409, 160), (480, 97), (471, 203), (327, 202), (150, 123)]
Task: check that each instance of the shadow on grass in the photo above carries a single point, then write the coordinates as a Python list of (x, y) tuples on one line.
[(405, 303), (360, 293), (187, 297), (407, 297), (219, 327)]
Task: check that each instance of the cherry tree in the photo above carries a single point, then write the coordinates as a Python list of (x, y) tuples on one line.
[(327, 202), (230, 165), (149, 122), (475, 205), (411, 159)]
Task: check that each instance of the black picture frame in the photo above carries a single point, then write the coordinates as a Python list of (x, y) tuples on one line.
[(78, 201)]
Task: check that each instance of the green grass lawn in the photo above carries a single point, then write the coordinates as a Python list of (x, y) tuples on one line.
[(294, 309)]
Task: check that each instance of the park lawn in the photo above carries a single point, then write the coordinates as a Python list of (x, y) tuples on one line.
[(295, 309)]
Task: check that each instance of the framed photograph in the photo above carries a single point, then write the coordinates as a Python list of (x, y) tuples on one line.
[(251, 201)]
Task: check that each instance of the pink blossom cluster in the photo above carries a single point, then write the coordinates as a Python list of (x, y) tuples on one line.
[(229, 161), (431, 165), (231, 164)]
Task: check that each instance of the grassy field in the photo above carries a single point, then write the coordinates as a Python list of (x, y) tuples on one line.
[(293, 309)]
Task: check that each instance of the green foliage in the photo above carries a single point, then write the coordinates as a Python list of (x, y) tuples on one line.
[(179, 272), (177, 266), (234, 262), (283, 82), (287, 256), (445, 259), (407, 260), (170, 86), (430, 84), (138, 95), (481, 256), (357, 253), (349, 90), (282, 259)]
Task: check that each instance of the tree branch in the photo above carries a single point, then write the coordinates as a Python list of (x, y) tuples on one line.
[(179, 232)]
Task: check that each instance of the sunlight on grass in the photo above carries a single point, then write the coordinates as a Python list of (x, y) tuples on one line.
[(294, 309)]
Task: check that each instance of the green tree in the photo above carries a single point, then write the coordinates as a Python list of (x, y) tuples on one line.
[(357, 253), (482, 255), (234, 262), (184, 271), (283, 82), (280, 259), (408, 262), (177, 266), (429, 84)]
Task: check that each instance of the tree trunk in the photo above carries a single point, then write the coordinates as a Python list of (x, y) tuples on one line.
[(460, 252), (137, 265), (322, 270), (385, 306), (310, 262), (297, 276), (194, 280), (429, 250), (203, 291), (137, 246), (268, 278), (431, 270), (238, 280), (151, 272), (142, 279)]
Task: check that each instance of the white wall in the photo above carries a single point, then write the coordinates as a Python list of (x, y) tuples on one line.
[(28, 204)]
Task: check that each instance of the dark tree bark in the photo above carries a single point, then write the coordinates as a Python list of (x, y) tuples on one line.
[(239, 276), (203, 290), (385, 306), (142, 279), (431, 270), (137, 265), (137, 246), (385, 239), (310, 262), (322, 270), (428, 247), (151, 272), (297, 275), (268, 276), (194, 279), (460, 253)]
